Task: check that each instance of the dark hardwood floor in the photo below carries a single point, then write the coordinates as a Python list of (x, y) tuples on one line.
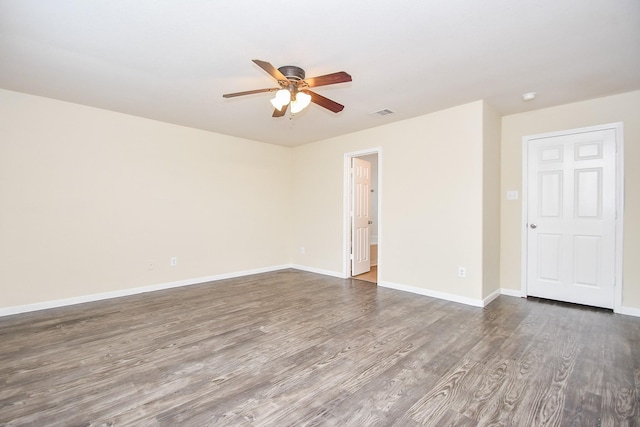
[(292, 348)]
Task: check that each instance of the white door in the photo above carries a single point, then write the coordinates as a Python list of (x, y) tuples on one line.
[(571, 217), (360, 218)]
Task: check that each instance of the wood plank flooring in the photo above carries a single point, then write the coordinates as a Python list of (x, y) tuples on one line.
[(292, 348), (369, 276)]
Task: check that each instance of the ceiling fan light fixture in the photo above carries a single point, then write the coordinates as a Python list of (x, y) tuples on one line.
[(295, 89), (282, 98), (301, 102)]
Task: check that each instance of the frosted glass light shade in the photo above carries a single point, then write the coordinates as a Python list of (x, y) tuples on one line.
[(281, 99), (301, 102)]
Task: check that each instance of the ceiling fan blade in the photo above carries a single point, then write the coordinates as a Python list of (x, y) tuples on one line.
[(273, 71), (325, 102), (249, 92), (280, 113), (328, 79)]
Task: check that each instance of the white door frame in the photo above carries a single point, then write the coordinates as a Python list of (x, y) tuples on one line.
[(618, 127), (346, 226)]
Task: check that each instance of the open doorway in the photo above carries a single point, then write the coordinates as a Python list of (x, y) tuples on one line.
[(362, 215)]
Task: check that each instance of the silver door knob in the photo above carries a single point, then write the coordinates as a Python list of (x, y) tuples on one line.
[(533, 226)]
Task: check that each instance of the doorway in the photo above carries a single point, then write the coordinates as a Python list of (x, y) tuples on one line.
[(362, 229), (572, 214)]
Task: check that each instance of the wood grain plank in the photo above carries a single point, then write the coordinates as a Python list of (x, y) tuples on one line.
[(293, 348), (434, 404)]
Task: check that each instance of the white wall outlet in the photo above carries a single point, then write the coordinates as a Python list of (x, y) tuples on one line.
[(512, 195), (151, 264), (462, 272), (302, 250), (173, 261)]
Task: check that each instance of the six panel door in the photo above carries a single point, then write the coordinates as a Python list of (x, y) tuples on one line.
[(361, 215), (571, 217)]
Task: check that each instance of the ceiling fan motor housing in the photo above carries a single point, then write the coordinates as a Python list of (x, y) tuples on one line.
[(292, 72)]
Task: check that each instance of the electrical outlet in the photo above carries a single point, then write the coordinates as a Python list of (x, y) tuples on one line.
[(302, 250), (173, 261), (462, 272), (151, 264)]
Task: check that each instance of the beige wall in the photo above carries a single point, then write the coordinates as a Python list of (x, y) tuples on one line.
[(620, 108), (491, 202), (89, 197), (431, 171)]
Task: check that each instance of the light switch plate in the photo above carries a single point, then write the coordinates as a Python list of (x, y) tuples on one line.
[(512, 195)]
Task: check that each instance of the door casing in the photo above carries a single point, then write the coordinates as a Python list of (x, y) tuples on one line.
[(346, 227), (618, 127)]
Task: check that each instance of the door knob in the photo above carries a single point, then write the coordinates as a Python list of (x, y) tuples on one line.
[(533, 226)]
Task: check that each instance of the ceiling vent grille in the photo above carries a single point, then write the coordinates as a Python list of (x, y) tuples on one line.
[(381, 113)]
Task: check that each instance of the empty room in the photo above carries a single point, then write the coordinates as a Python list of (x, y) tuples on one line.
[(332, 214)]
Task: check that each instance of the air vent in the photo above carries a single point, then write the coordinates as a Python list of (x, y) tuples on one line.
[(380, 113)]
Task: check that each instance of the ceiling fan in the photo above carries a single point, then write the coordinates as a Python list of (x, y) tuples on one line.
[(294, 88)]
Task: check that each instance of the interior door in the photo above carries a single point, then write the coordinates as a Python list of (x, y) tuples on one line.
[(360, 218), (571, 217)]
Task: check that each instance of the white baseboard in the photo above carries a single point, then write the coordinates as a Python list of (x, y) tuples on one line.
[(318, 270), (511, 292), (629, 311), (433, 294), (8, 311), (495, 294)]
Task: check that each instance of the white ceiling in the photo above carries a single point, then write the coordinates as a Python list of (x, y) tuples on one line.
[(173, 60)]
